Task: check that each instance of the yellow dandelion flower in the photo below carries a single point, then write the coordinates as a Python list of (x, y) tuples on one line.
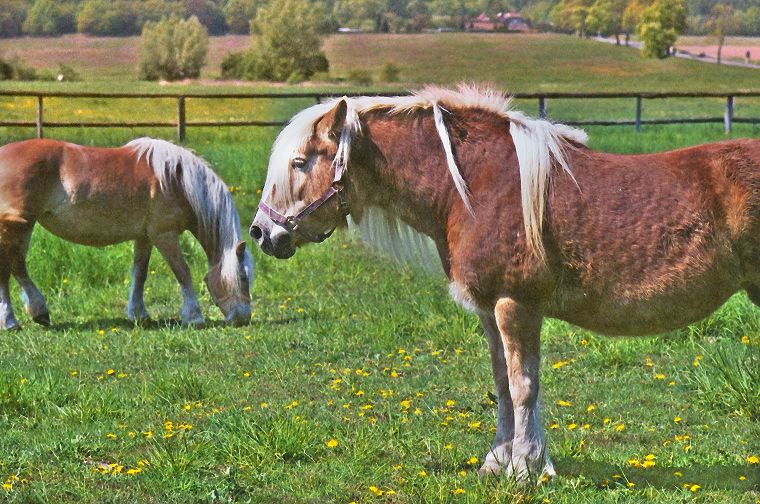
[(246, 374), (590, 408), (742, 477), (753, 460), (631, 484), (474, 425), (133, 471), (472, 460), (554, 426), (448, 446), (560, 363), (620, 427), (110, 372), (659, 376), (694, 488), (376, 490), (331, 443), (147, 434), (564, 403), (745, 339), (677, 419), (678, 474), (74, 373), (111, 435), (422, 473), (458, 491), (264, 405), (450, 403), (572, 426)]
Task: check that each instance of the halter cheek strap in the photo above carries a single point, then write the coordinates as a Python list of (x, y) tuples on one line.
[(292, 222)]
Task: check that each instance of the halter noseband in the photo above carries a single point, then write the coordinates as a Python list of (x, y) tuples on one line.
[(292, 222)]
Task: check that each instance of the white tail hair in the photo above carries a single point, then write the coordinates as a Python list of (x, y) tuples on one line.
[(208, 197)]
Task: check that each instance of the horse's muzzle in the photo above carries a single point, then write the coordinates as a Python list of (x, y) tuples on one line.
[(277, 242)]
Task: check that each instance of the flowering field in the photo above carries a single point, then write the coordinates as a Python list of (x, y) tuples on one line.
[(357, 381)]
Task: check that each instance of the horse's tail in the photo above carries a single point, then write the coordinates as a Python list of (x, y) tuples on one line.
[(208, 196)]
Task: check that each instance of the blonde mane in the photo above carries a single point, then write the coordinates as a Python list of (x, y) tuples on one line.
[(539, 144), (207, 195)]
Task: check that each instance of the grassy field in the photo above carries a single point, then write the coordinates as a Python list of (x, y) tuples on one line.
[(358, 380)]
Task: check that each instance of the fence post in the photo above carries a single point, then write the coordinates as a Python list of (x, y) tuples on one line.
[(39, 116), (181, 119), (542, 107), (638, 114), (728, 117)]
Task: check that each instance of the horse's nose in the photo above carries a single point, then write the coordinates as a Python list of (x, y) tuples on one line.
[(256, 233)]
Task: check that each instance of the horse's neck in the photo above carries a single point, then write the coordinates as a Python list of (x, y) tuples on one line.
[(407, 175)]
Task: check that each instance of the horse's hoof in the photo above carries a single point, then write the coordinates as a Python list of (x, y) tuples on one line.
[(489, 470), (42, 319), (195, 323), (140, 321), (12, 326)]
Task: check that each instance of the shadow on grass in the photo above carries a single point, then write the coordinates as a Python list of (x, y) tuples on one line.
[(107, 324), (707, 477)]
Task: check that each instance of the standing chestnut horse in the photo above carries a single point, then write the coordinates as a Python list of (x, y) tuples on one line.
[(148, 191), (527, 221)]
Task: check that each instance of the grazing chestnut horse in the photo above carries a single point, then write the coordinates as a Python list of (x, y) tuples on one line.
[(148, 191), (527, 221)]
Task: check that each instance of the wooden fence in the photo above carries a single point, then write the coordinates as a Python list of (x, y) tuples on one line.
[(181, 122)]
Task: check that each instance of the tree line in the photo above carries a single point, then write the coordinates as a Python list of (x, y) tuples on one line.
[(128, 17)]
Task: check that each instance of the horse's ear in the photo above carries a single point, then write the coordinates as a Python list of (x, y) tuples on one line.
[(337, 119), (240, 250)]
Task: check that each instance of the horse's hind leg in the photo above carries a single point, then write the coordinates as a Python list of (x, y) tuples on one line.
[(136, 310), (34, 302)]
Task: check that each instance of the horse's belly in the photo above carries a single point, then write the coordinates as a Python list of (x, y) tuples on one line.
[(89, 225), (672, 308)]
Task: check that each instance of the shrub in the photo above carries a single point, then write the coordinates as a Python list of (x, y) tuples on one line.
[(233, 66), (289, 41), (66, 73), (173, 49), (390, 72), (360, 77)]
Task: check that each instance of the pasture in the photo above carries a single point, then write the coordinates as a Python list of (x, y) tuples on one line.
[(357, 380)]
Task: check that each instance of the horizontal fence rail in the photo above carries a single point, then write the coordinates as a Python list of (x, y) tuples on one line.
[(181, 123)]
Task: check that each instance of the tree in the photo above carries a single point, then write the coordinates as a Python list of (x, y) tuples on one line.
[(238, 15), (571, 15), (660, 25), (173, 49), (105, 17), (632, 16), (11, 17), (208, 13), (606, 16), (289, 44), (48, 17), (720, 23)]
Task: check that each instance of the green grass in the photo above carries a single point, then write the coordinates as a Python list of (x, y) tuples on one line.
[(340, 340)]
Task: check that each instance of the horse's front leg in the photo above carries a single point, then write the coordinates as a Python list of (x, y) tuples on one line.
[(168, 245), (520, 327), (499, 456), (136, 310)]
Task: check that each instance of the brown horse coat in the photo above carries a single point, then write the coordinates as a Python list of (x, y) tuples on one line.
[(618, 244), (148, 191)]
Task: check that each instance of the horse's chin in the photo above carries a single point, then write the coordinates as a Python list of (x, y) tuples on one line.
[(284, 254)]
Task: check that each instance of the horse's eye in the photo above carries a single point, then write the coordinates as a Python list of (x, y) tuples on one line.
[(299, 163)]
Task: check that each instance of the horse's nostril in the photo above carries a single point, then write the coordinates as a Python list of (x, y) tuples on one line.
[(256, 232)]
